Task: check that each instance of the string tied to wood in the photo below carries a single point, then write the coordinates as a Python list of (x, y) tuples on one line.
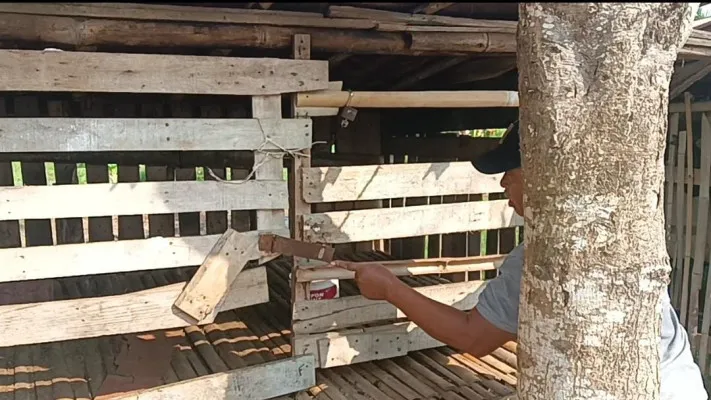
[(268, 154)]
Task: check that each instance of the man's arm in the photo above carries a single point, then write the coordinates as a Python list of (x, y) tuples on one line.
[(465, 331)]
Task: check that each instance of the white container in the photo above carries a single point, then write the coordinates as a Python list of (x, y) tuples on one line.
[(324, 289)]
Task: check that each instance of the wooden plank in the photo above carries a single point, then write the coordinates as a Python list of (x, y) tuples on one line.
[(154, 12), (411, 99), (127, 313), (369, 182), (213, 279), (357, 225), (268, 166), (101, 199), (318, 271), (700, 253), (152, 73), (686, 295), (322, 315), (42, 262), (258, 382), (307, 112), (356, 345), (149, 134)]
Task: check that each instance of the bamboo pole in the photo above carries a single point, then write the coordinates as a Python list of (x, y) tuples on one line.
[(689, 213), (704, 205), (679, 269), (423, 99), (408, 267)]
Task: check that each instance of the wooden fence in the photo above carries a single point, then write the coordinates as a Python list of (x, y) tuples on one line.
[(65, 108)]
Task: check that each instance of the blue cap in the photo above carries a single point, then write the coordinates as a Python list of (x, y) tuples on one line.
[(505, 157)]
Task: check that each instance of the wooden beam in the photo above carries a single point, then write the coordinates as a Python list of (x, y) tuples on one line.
[(431, 8), (150, 134), (421, 99), (445, 265), (153, 12), (102, 199), (257, 382), (354, 346), (212, 281), (42, 262), (371, 182), (78, 32), (157, 73), (350, 12), (697, 106), (687, 76), (357, 225), (312, 316), (141, 311)]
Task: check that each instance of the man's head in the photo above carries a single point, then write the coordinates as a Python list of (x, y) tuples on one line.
[(506, 158)]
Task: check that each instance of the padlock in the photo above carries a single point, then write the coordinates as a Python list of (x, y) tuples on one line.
[(348, 115)]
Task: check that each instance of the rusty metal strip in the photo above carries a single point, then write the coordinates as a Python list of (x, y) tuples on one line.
[(290, 247)]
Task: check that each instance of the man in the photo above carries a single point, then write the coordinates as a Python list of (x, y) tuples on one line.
[(494, 320)]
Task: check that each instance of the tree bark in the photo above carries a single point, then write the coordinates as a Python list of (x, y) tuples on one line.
[(594, 87)]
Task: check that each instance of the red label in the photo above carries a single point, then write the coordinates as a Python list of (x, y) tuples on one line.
[(325, 294)]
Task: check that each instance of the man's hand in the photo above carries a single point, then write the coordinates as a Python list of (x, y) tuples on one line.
[(373, 279)]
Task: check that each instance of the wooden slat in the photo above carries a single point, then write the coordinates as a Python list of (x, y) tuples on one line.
[(44, 262), (97, 200), (215, 275), (152, 73), (371, 182), (149, 134), (357, 225), (259, 382), (365, 344), (322, 315), (317, 271), (127, 313)]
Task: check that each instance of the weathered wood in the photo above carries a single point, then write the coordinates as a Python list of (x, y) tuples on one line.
[(700, 254), (81, 32), (154, 12), (149, 134), (354, 346), (323, 315), (688, 296), (328, 184), (270, 166), (186, 159), (157, 73), (444, 265), (258, 382), (357, 225), (422, 99), (95, 200), (307, 112), (423, 19), (688, 76), (212, 281), (127, 313)]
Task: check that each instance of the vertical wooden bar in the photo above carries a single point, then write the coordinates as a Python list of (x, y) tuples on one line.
[(189, 222), (99, 228), (669, 198), (159, 225), (9, 230), (701, 229), (297, 206), (38, 232), (240, 220), (268, 166), (680, 271), (693, 293), (129, 226), (215, 221), (69, 230)]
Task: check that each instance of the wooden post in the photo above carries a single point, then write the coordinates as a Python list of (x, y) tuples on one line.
[(297, 206)]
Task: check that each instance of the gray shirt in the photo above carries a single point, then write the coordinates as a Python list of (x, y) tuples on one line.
[(680, 376)]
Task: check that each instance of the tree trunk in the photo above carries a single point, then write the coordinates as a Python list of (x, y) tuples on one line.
[(593, 83)]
